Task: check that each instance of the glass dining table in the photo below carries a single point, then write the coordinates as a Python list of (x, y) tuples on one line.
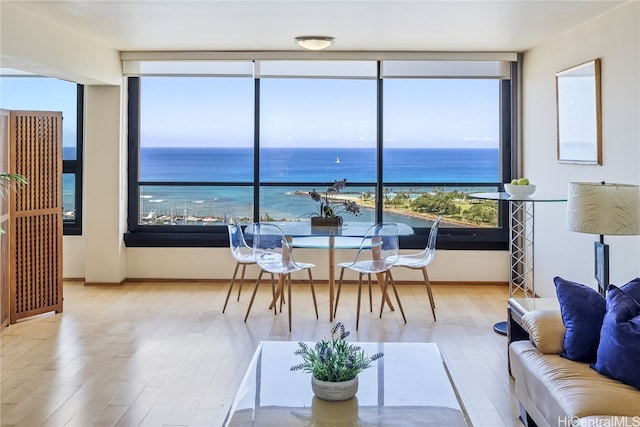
[(348, 236)]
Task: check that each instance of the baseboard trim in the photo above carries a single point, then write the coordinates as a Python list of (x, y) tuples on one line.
[(266, 279), (120, 283)]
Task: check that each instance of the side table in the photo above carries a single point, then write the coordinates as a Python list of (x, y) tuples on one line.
[(521, 238)]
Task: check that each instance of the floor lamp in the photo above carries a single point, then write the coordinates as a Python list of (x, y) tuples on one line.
[(604, 209)]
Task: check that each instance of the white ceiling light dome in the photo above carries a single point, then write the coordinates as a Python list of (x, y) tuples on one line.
[(315, 42)]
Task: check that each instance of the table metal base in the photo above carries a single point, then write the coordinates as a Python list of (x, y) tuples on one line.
[(500, 328)]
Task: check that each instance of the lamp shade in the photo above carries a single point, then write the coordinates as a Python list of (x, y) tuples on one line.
[(605, 209)]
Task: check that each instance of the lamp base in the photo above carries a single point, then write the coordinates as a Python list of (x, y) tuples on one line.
[(601, 255)]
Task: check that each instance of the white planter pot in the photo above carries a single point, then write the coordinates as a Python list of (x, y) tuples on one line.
[(334, 391)]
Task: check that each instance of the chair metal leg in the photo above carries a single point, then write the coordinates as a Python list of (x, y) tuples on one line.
[(370, 294), (253, 296), (387, 278), (335, 307), (313, 293), (289, 292), (284, 283), (273, 295), (277, 294), (244, 268), (226, 300), (359, 294), (429, 292), (384, 294)]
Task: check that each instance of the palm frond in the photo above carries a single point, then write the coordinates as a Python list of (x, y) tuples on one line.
[(10, 181)]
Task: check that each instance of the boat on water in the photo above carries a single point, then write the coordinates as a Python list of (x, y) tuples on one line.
[(337, 160)]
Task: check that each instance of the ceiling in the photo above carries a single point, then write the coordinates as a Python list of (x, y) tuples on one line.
[(265, 25)]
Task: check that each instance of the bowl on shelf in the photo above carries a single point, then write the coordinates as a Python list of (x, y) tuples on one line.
[(519, 190)]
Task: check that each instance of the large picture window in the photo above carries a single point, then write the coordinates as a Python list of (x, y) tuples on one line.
[(27, 92), (441, 142), (411, 148), (313, 132), (195, 150)]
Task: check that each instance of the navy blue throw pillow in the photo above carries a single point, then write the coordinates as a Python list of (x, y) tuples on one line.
[(582, 309), (619, 349), (632, 288)]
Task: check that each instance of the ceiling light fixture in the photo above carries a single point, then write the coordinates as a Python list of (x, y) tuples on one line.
[(314, 42)]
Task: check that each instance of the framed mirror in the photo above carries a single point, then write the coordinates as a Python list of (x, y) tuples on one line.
[(578, 114)]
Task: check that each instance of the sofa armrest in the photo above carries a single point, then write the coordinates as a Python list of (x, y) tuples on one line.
[(546, 330)]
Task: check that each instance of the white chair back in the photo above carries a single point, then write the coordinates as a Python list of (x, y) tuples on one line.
[(271, 247), (431, 242), (240, 250), (379, 248)]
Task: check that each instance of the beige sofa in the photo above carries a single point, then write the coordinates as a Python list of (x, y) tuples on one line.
[(558, 392)]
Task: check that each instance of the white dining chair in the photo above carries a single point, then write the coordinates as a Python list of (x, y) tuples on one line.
[(240, 251), (273, 255), (420, 261), (378, 252)]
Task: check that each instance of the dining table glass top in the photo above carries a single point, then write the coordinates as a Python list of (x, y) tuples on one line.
[(348, 236), (347, 229), (535, 197)]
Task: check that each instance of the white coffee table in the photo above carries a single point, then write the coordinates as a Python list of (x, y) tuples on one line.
[(409, 386)]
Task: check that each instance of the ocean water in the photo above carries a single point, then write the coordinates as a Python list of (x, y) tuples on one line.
[(319, 165), (313, 165)]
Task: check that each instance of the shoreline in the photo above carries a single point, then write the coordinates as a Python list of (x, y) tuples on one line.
[(151, 218), (355, 197)]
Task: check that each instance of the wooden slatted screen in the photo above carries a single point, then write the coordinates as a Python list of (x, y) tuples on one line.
[(35, 240), (4, 221)]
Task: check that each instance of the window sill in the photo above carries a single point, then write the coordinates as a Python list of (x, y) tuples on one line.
[(495, 241)]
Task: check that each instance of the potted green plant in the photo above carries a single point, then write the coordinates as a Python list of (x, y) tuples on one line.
[(331, 206), (10, 181), (334, 365)]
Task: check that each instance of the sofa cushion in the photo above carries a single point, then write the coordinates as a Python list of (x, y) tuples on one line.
[(619, 349), (583, 310), (546, 330), (563, 389)]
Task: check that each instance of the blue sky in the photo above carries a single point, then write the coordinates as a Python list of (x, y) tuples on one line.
[(46, 94), (201, 111), (327, 112)]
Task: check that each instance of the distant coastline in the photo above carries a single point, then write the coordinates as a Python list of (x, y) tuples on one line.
[(404, 212)]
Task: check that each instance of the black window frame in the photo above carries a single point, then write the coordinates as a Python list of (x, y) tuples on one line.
[(463, 238), (73, 227)]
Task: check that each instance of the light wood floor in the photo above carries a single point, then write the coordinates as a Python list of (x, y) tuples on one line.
[(163, 354)]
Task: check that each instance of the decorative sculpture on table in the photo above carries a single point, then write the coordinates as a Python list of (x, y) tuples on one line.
[(331, 206)]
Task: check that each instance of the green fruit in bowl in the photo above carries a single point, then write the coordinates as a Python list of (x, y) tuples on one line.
[(523, 181), (514, 181)]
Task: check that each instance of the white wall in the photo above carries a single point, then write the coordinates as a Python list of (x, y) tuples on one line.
[(217, 263), (615, 38), (32, 44), (105, 183)]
